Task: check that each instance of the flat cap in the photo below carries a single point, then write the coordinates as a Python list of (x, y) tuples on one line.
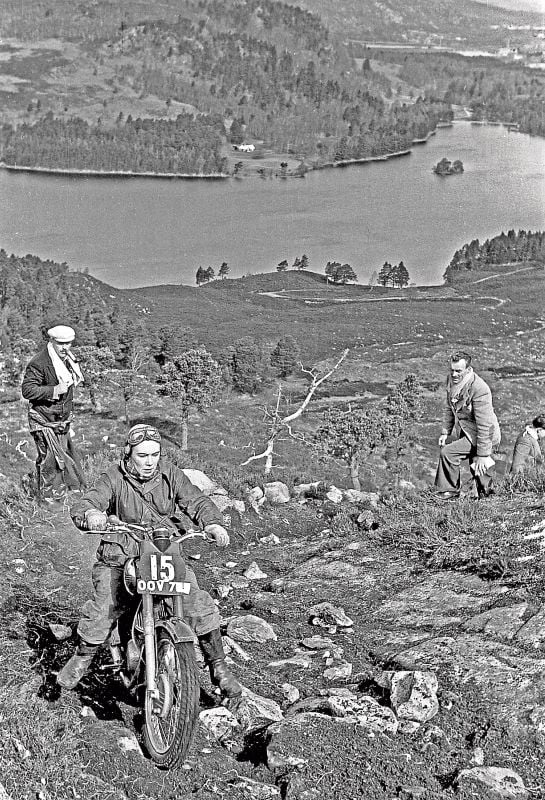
[(62, 334)]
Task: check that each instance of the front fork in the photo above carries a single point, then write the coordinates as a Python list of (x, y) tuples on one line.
[(150, 641)]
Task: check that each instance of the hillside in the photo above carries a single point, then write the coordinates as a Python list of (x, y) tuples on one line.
[(425, 21)]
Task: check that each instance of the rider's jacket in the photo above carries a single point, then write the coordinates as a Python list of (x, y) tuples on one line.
[(154, 501)]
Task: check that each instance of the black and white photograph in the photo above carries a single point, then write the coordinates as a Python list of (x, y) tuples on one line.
[(272, 399)]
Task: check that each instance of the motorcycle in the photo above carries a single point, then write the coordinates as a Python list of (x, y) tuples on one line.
[(156, 655)]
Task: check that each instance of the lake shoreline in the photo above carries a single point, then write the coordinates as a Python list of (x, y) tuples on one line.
[(88, 173)]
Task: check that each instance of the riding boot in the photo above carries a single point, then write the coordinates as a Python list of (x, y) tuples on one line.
[(214, 656), (76, 666)]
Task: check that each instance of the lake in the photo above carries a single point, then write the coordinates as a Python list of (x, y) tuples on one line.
[(137, 231)]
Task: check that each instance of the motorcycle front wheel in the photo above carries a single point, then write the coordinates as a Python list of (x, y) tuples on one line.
[(171, 719)]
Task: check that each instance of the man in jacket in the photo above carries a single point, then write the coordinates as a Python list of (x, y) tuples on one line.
[(48, 384), (143, 489), (471, 425)]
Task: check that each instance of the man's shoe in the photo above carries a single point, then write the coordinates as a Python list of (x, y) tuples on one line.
[(447, 495), (74, 670), (222, 677)]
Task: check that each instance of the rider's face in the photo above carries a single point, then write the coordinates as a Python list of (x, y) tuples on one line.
[(145, 457)]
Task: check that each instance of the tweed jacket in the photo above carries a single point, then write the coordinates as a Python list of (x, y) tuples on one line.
[(472, 415), (39, 381)]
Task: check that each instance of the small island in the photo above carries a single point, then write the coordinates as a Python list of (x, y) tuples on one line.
[(446, 167)]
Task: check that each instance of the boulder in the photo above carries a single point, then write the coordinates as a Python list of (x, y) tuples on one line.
[(532, 633), (250, 628), (339, 672), (203, 482), (253, 790), (500, 623), (277, 492), (252, 708), (218, 722), (364, 711), (365, 498), (328, 614), (254, 573), (334, 495), (414, 695), (491, 783)]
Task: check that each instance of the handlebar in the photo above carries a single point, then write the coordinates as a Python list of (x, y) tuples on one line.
[(140, 532)]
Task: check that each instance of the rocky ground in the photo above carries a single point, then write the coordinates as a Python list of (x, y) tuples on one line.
[(368, 673)]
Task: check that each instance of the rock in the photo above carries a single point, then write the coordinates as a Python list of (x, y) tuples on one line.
[(365, 711), (250, 628), (60, 632), (290, 693), (492, 783), (340, 672), (272, 538), (408, 726), (408, 486), (317, 642), (511, 682), (277, 492), (366, 520), (328, 614), (223, 590), (334, 495), (303, 662), (218, 722), (439, 600), (532, 633), (297, 788), (239, 582), (230, 645), (129, 744), (87, 711), (255, 496), (254, 573), (501, 623), (253, 707), (368, 498), (254, 790), (203, 482), (307, 489), (414, 695), (3, 794)]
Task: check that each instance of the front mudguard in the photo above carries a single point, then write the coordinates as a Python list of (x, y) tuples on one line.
[(178, 630)]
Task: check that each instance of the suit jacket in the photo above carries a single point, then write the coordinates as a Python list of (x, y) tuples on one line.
[(39, 381), (472, 415)]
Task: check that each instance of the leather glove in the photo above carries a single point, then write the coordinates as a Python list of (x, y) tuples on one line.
[(218, 533), (96, 520)]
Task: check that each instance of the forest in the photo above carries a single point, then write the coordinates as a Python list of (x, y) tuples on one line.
[(507, 248), (490, 89), (266, 71), (187, 145)]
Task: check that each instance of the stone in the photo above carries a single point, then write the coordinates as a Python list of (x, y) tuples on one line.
[(414, 695), (254, 790), (203, 482), (250, 628), (253, 707), (276, 493), (254, 573), (438, 601), (497, 782), (368, 498), (129, 744), (366, 520), (334, 495), (272, 538), (304, 489), (329, 614), (322, 568), (218, 722), (366, 712), (286, 746), (290, 693), (60, 632), (255, 495), (500, 623), (317, 642), (302, 662), (340, 672)]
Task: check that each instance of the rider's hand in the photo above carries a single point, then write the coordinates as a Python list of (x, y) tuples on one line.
[(442, 440), (96, 520), (218, 533)]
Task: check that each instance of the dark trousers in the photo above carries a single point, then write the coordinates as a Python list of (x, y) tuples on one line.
[(448, 478), (51, 479)]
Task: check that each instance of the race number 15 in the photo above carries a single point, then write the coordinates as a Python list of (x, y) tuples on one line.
[(161, 567)]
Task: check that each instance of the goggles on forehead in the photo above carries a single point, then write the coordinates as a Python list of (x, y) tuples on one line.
[(141, 434)]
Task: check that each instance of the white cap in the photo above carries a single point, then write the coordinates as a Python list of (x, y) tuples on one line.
[(63, 334)]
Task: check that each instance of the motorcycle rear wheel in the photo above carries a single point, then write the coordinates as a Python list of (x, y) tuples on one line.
[(170, 722)]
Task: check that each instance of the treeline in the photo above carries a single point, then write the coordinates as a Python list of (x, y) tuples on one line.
[(507, 248), (186, 145), (492, 90)]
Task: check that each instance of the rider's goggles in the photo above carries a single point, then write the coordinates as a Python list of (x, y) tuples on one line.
[(141, 434)]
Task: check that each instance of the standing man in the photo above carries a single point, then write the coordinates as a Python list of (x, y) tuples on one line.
[(471, 424), (48, 384)]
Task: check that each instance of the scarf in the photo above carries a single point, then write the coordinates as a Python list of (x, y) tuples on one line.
[(455, 390), (66, 371)]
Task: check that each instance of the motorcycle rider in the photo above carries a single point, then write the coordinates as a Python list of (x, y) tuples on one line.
[(146, 489)]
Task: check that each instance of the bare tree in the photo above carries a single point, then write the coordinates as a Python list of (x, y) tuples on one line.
[(279, 423)]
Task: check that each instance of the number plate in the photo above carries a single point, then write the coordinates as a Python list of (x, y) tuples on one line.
[(161, 573)]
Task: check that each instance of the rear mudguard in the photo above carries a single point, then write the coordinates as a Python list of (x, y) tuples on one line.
[(177, 628)]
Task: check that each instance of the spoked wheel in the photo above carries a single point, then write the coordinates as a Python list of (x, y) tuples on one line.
[(172, 717)]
